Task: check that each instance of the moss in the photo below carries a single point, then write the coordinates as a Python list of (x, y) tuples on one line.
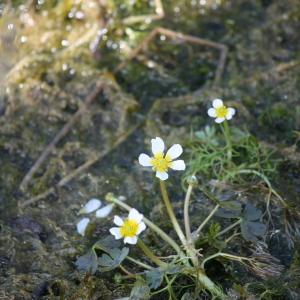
[(279, 118)]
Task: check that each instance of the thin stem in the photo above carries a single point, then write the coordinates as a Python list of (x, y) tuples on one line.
[(151, 225), (229, 227), (139, 263), (228, 140), (226, 255), (186, 214), (148, 252), (206, 220), (171, 212), (126, 271)]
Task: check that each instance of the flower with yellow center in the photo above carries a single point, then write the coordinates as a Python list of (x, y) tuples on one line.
[(161, 162), (220, 112), (130, 228)]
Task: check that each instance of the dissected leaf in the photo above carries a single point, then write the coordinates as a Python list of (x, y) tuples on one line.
[(251, 213), (140, 291), (88, 262), (154, 278), (112, 259), (251, 230), (214, 229)]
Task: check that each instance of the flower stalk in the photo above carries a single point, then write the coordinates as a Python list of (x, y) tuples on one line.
[(148, 252), (171, 213), (227, 135)]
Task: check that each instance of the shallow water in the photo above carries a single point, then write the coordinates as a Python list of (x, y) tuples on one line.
[(53, 54)]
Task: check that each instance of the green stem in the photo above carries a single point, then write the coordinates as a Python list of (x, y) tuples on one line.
[(206, 220), (139, 263), (210, 286), (229, 227), (186, 214), (226, 255), (171, 212), (162, 234), (228, 141), (148, 252)]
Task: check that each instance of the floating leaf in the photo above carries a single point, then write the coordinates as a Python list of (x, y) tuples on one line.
[(154, 278), (252, 230), (251, 213), (140, 291), (106, 244), (112, 259), (88, 262)]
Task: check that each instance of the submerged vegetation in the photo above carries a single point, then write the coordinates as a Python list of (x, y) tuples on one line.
[(84, 85)]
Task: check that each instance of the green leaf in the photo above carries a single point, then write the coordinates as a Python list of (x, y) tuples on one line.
[(251, 230), (154, 278), (88, 262), (106, 244), (112, 259), (251, 213), (140, 291), (214, 229)]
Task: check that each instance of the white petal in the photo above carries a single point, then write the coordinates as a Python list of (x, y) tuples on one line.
[(115, 231), (162, 175), (212, 112), (217, 103), (175, 151), (178, 165), (219, 120), (82, 225), (145, 160), (90, 206), (130, 240), (231, 112), (104, 211), (135, 215), (118, 221), (141, 228), (158, 145)]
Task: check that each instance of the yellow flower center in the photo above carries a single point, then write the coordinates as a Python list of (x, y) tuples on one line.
[(221, 112), (129, 228), (161, 163)]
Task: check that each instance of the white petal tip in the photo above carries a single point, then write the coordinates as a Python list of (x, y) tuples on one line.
[(90, 206), (82, 225), (104, 211)]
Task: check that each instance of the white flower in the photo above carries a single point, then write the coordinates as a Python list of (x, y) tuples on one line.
[(220, 112), (90, 206), (130, 228), (82, 225), (104, 211), (160, 163)]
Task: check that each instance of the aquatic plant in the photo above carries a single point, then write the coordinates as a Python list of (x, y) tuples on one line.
[(188, 260)]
